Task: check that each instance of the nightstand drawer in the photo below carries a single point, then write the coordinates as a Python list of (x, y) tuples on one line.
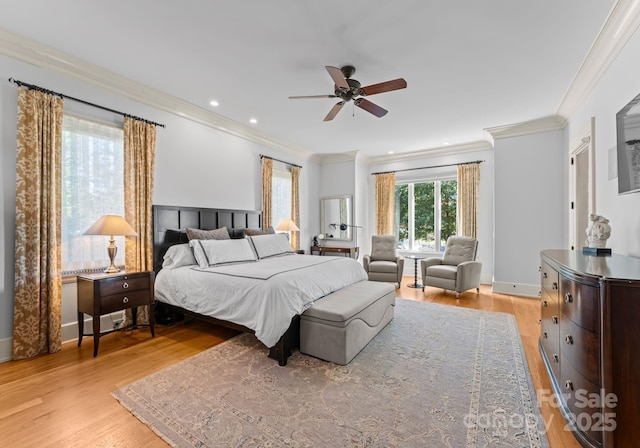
[(124, 284), (117, 302)]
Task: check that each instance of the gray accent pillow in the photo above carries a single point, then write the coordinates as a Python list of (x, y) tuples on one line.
[(216, 234), (254, 232)]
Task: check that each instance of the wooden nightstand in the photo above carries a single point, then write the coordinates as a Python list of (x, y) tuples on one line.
[(100, 294)]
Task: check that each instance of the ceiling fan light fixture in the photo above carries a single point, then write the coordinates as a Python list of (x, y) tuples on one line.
[(348, 89)]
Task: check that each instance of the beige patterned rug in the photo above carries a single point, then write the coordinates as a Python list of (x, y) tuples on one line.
[(436, 376)]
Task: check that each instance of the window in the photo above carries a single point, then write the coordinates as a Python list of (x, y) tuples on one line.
[(280, 195), (425, 214), (92, 186)]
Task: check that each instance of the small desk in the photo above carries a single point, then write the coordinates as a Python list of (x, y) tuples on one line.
[(415, 259), (347, 251)]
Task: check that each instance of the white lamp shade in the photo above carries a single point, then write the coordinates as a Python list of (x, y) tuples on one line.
[(111, 225), (287, 225)]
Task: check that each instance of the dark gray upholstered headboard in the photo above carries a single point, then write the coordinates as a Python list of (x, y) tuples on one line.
[(171, 222)]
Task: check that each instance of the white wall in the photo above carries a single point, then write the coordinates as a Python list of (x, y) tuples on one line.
[(195, 166), (618, 86), (530, 207)]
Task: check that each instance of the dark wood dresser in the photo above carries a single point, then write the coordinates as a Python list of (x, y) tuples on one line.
[(590, 313)]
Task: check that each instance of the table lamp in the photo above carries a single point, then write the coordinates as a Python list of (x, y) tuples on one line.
[(287, 225), (111, 225)]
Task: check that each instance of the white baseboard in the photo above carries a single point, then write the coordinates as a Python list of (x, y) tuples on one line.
[(6, 349), (69, 332), (516, 289)]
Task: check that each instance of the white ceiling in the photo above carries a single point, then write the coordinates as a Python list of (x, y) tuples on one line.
[(469, 65)]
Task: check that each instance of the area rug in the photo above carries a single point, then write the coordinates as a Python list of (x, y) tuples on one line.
[(436, 376)]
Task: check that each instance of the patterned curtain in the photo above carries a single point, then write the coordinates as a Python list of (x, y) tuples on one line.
[(38, 276), (468, 187), (267, 174), (139, 162), (295, 205), (385, 186)]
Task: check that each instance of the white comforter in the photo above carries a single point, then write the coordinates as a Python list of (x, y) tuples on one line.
[(264, 295)]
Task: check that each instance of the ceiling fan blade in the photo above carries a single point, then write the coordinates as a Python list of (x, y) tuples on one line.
[(334, 111), (338, 77), (370, 107), (388, 86), (311, 96)]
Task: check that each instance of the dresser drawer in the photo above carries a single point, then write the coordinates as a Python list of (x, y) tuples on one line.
[(577, 390), (129, 299), (124, 284), (581, 304), (582, 348), (549, 280)]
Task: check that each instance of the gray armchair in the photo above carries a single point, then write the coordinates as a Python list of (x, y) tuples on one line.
[(384, 264), (457, 270)]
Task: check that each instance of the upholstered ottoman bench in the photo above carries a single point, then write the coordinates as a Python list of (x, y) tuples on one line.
[(336, 327)]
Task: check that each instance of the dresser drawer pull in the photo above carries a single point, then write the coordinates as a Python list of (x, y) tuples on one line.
[(544, 303), (554, 319), (568, 339), (544, 335), (555, 358), (544, 275), (125, 300), (555, 285), (568, 298), (568, 385), (125, 285)]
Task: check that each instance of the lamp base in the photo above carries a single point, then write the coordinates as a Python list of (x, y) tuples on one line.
[(111, 270), (112, 250)]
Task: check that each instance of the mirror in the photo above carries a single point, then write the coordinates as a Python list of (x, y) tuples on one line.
[(336, 218)]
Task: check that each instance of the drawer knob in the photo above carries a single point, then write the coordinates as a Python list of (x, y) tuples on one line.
[(554, 319), (125, 300), (125, 285), (569, 339), (568, 385), (544, 303), (544, 335), (544, 275), (555, 358), (555, 285), (568, 297)]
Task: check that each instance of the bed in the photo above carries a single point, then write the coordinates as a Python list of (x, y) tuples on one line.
[(223, 284)]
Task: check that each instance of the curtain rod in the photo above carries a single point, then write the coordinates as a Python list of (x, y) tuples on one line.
[(427, 167), (62, 95), (262, 156)]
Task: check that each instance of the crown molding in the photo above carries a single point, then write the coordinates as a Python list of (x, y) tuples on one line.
[(545, 124), (43, 56), (622, 23), (479, 145), (325, 159)]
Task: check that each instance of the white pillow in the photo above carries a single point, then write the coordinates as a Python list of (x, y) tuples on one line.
[(271, 245), (217, 252), (178, 255)]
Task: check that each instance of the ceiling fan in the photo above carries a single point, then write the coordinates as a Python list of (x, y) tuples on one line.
[(348, 89)]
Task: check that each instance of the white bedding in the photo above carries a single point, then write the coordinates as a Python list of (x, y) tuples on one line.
[(263, 295)]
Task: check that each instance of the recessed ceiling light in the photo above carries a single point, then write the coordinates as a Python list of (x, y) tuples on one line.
[(214, 103), (445, 143), (390, 152), (253, 121)]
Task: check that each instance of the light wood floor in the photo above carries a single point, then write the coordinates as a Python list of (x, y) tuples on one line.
[(63, 400)]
